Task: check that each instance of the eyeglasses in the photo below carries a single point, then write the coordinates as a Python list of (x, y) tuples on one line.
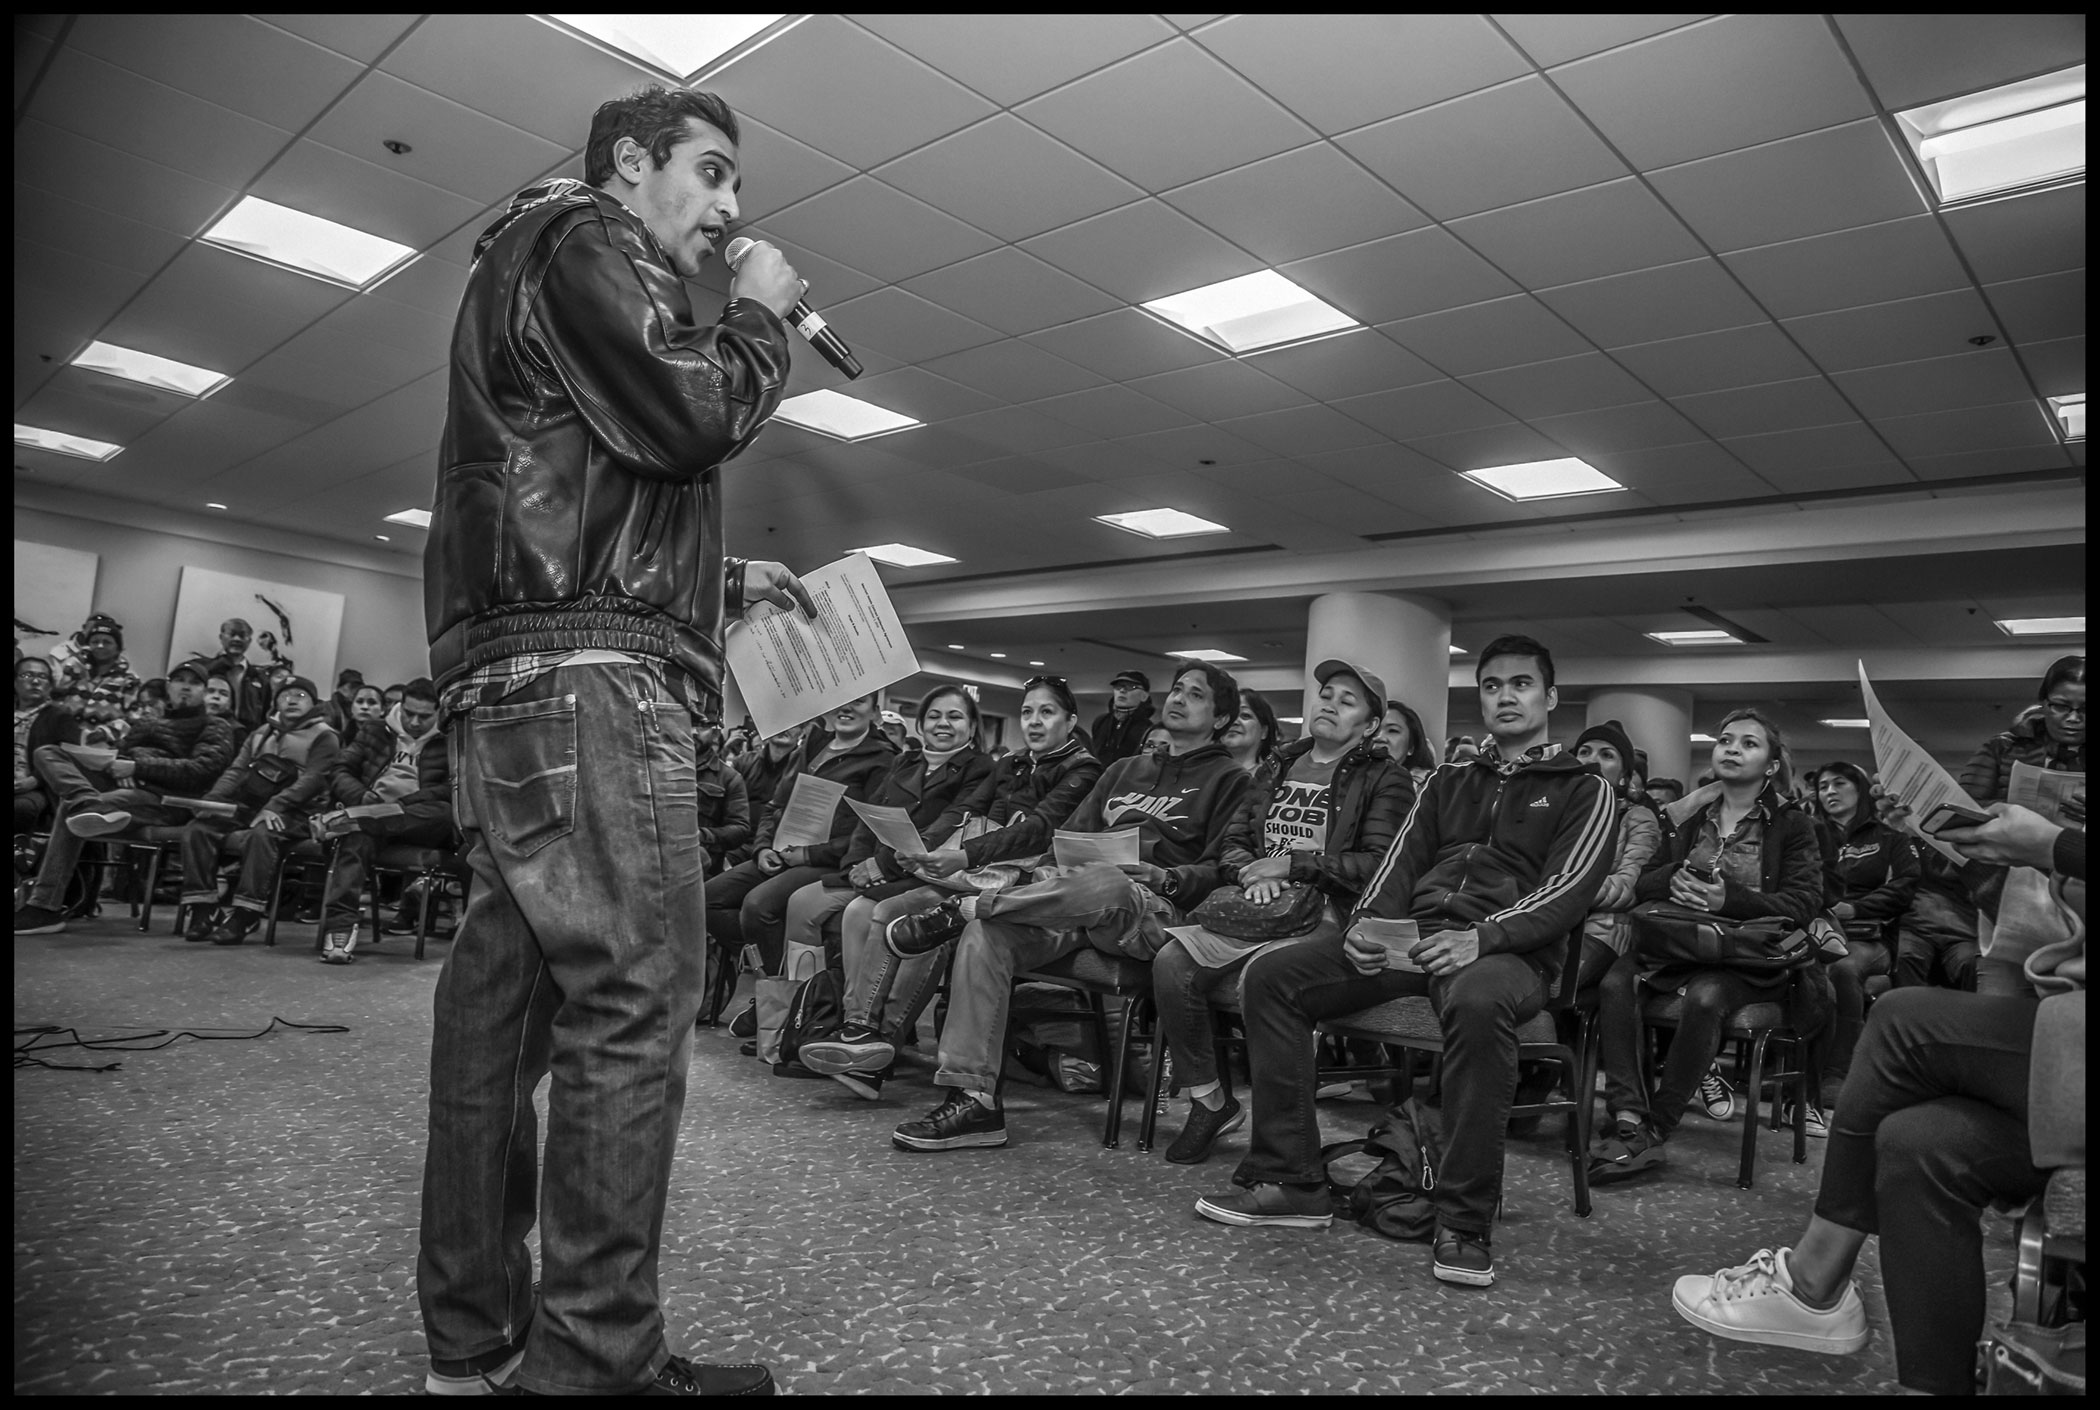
[(1033, 681), (2064, 709)]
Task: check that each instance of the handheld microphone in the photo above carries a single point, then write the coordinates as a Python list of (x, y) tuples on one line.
[(806, 322)]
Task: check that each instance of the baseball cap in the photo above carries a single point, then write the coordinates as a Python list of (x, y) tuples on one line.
[(1137, 678), (194, 669), (891, 717), (1335, 666)]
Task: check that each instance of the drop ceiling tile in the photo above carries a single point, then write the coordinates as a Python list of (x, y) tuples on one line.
[(1915, 58), (101, 178), (1982, 378), (1514, 142), (1270, 479), (2017, 425), (1297, 204), (2039, 233), (1012, 57), (1419, 272), (1641, 426), (1588, 234), (1013, 371), (1372, 468), (1792, 459), (209, 436), (88, 404), (1021, 475), (1111, 411), (1511, 443), (1353, 69), (431, 286), (906, 326), (830, 283), (212, 308), (878, 229), (1012, 291), (1143, 251), (119, 109), (1429, 410), (1118, 459), (1341, 507), (921, 394), (1124, 345), (325, 182), (809, 373), (1484, 336), (234, 61), (1711, 362), (451, 146), (1188, 446), (425, 339), (1713, 87), (360, 37), (1299, 431), (1906, 330), (1776, 406), (1217, 390), (2032, 310), (1586, 382), (1009, 178), (1686, 482), (1980, 463), (1556, 38), (2058, 366), (476, 59), (1648, 305), (934, 447), (862, 77), (1863, 475), (1873, 264), (778, 171), (56, 223), (1829, 180), (311, 359), (1349, 364), (1664, 465)]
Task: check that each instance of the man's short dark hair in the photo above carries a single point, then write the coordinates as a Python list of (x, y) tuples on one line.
[(1224, 692), (420, 688), (656, 119), (1515, 645)]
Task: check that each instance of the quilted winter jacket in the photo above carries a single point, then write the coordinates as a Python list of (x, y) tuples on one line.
[(1366, 801), (1031, 799), (935, 798), (183, 752)]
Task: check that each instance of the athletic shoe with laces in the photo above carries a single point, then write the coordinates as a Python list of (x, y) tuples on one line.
[(203, 921), (682, 1377), (97, 822), (956, 1123), (1756, 1302), (865, 1085), (854, 1048), (1206, 1126), (1631, 1148), (1818, 1128), (909, 936), (745, 1024), (1464, 1257), (1716, 1097), (234, 927), (487, 1374), (1284, 1206), (38, 920)]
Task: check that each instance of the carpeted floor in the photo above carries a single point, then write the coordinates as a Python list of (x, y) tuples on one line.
[(241, 1216)]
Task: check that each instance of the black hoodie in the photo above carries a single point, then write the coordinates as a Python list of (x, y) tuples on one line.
[(1180, 803)]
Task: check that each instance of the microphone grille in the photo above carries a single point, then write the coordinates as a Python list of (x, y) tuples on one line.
[(738, 248)]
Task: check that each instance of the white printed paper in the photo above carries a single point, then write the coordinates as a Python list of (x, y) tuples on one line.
[(375, 810), (1911, 775), (1395, 937), (1209, 949), (792, 668), (806, 820), (210, 807), (1076, 849), (2045, 791), (892, 827)]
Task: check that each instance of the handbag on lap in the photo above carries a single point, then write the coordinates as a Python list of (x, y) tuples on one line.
[(1671, 934), (1227, 912)]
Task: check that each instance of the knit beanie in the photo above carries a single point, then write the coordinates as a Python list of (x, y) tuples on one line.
[(1610, 732), (297, 683)]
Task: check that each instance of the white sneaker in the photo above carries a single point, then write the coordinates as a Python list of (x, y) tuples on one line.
[(1716, 1097), (1756, 1303), (98, 822), (339, 947)]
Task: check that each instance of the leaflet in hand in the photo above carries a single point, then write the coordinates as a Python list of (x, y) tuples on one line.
[(211, 807), (2046, 791), (90, 756), (374, 810), (1210, 949), (1395, 937), (1076, 849), (892, 827), (1909, 774), (792, 668), (806, 820)]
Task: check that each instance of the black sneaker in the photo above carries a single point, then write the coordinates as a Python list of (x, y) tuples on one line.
[(909, 936), (865, 1085), (854, 1048), (745, 1024), (793, 1068), (1464, 1257), (954, 1124), (1631, 1148), (235, 927), (682, 1377), (1205, 1126), (203, 920), (487, 1374), (37, 920)]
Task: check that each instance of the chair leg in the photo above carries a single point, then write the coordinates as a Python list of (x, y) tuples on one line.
[(1803, 1084), (276, 895), (1571, 1069), (430, 885), (1148, 1124), (152, 884), (1112, 1128), (327, 886), (1753, 1091)]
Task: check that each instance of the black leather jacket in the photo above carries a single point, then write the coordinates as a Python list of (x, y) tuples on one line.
[(576, 502)]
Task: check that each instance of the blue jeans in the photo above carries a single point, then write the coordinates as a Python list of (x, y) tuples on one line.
[(581, 955)]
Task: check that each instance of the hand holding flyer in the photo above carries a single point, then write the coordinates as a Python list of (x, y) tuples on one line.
[(892, 827), (791, 667), (1909, 774), (806, 820), (1076, 849)]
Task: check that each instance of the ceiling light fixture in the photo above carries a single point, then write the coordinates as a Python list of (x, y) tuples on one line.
[(1703, 739), (382, 538), (2042, 626), (1847, 724), (902, 555), (293, 239), (1715, 637), (163, 373), (214, 504), (1162, 523), (1544, 479), (1253, 312), (2070, 415), (414, 518), (1290, 719), (841, 417), (678, 46), (1206, 653), (1458, 651), (998, 655), (1036, 663), (2011, 138), (64, 444), (957, 646)]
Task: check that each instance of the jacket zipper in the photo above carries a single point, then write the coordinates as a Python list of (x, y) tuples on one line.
[(1465, 871)]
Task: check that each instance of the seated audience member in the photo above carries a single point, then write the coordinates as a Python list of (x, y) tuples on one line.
[(342, 717), (725, 803), (1180, 804), (1405, 743), (1159, 742), (1662, 792), (281, 670), (893, 730), (1607, 932), (1498, 860), (103, 674), (1033, 794), (2053, 738), (1122, 731), (1252, 738), (403, 759), (178, 755), (248, 683), (1942, 1115), (38, 721), (1461, 750), (147, 704), (1878, 870), (218, 693), (1745, 854), (747, 904), (391, 696), (763, 769), (273, 782), (1936, 941), (1321, 814)]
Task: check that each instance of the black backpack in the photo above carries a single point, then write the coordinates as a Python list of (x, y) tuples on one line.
[(1393, 1199), (816, 1011)]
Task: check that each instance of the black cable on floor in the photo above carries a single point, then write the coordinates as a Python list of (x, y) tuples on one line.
[(134, 1042)]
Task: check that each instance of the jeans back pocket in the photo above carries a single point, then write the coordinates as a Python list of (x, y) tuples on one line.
[(525, 762)]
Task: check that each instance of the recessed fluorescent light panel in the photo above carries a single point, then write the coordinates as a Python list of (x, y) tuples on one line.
[(1162, 523), (164, 373), (1253, 312), (414, 518), (2011, 626), (2070, 416), (64, 444), (1847, 724), (1544, 479), (280, 235), (680, 46), (1702, 739), (2024, 134), (1206, 653), (1458, 651), (902, 555), (841, 417), (1697, 638)]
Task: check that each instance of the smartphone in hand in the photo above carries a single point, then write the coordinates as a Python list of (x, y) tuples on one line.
[(1948, 815)]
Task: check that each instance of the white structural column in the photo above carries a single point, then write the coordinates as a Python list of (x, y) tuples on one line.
[(1401, 638), (1659, 720)]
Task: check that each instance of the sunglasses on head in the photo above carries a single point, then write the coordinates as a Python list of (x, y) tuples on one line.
[(1033, 681)]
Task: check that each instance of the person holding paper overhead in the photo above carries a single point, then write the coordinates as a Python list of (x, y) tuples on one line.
[(1180, 804), (405, 763)]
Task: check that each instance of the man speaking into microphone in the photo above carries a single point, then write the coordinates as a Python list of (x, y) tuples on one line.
[(574, 590)]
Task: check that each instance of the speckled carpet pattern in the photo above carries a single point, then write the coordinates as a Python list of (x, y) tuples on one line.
[(224, 1217)]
